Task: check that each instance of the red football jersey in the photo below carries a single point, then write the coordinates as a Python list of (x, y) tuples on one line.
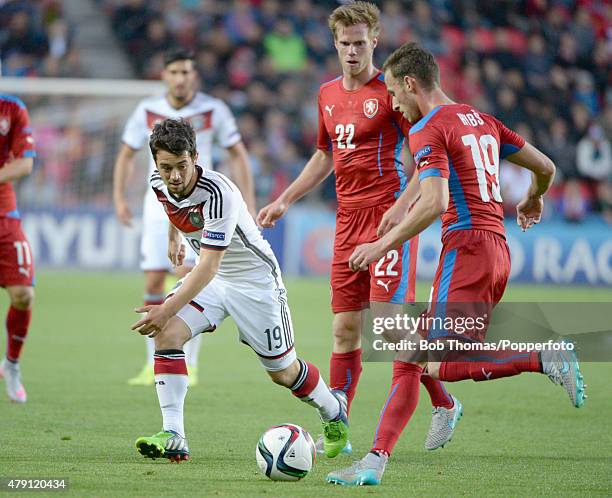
[(366, 137), (16, 142), (463, 145)]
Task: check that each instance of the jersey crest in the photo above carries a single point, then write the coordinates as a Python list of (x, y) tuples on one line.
[(370, 108)]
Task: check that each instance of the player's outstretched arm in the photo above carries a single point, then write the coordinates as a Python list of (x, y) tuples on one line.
[(396, 213), (15, 169), (317, 169), (124, 166), (432, 203), (529, 210), (242, 174), (195, 281)]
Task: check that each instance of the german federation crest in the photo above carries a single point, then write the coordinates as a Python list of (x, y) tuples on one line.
[(370, 108), (196, 218)]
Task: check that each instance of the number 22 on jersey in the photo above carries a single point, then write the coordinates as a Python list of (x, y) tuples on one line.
[(344, 136), (485, 153)]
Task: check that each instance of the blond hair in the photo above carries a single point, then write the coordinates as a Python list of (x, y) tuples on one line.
[(356, 13)]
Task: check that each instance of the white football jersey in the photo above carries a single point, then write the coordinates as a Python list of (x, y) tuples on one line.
[(210, 117), (216, 217)]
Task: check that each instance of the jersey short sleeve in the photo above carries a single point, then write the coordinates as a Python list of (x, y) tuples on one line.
[(224, 124), (429, 152), (323, 139), (510, 141), (136, 130), (221, 221), (22, 143)]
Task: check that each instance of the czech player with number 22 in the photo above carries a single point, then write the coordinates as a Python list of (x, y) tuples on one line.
[(361, 138), (457, 150)]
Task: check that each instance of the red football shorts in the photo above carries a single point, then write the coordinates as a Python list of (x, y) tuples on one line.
[(391, 279), (470, 280), (16, 262)]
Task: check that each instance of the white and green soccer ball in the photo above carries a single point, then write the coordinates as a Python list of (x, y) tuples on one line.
[(285, 453)]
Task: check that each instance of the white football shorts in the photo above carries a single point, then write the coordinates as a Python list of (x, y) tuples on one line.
[(260, 311), (154, 247)]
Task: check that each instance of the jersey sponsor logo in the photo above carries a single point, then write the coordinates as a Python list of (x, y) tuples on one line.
[(5, 125), (383, 284), (370, 108), (330, 109), (213, 235), (423, 152)]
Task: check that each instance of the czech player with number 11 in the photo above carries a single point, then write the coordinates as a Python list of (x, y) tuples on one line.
[(16, 264), (238, 276)]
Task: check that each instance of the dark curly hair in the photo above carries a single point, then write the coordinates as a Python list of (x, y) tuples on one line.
[(173, 135)]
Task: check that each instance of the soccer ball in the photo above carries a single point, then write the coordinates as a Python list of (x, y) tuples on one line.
[(285, 453)]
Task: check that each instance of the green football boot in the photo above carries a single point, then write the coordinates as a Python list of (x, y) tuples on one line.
[(336, 432), (167, 444)]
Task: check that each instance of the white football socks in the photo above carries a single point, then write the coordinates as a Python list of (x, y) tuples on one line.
[(171, 392)]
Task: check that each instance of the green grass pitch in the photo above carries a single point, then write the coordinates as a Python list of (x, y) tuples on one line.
[(518, 437)]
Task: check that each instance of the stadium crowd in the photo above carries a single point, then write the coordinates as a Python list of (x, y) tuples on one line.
[(36, 40), (542, 66)]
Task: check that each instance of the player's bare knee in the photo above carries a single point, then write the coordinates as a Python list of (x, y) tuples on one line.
[(287, 376), (347, 332), (173, 336), (21, 297), (433, 369)]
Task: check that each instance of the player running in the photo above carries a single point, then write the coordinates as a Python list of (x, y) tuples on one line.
[(457, 150), (361, 138), (213, 122), (16, 264), (237, 275)]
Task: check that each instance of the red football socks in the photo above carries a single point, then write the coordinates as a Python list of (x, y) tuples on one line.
[(344, 373), (489, 366), (17, 323), (438, 394), (399, 407)]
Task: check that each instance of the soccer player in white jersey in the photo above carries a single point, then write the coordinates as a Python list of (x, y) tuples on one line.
[(213, 122), (237, 275)]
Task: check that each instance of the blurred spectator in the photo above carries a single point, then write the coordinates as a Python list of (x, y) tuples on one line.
[(594, 155), (285, 47)]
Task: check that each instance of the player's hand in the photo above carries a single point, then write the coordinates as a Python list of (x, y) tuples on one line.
[(176, 252), (269, 214), (391, 218), (124, 214), (529, 212), (154, 321), (365, 254)]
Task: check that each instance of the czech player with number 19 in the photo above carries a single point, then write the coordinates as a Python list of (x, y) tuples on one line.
[(457, 150)]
